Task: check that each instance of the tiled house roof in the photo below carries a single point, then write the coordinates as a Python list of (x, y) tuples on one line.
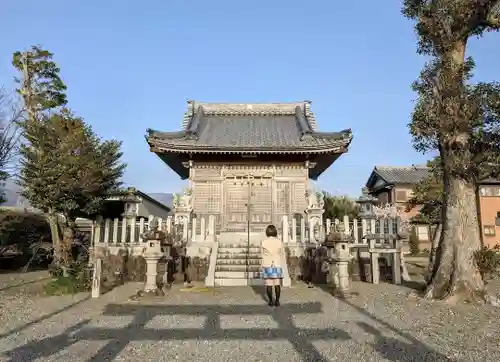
[(249, 128), (402, 174), (393, 175), (164, 198)]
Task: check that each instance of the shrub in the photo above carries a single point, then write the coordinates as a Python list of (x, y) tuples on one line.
[(77, 278), (21, 230), (22, 227), (488, 261)]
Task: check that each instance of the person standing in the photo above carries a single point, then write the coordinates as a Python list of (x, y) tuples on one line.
[(272, 272)]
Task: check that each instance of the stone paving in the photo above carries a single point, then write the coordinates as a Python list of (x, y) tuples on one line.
[(375, 323)]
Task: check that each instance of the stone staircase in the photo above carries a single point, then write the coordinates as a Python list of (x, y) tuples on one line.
[(238, 260), (238, 265)]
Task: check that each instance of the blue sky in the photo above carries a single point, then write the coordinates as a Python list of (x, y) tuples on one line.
[(131, 65)]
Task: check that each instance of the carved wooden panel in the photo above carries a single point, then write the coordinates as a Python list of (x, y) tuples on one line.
[(243, 171), (236, 198), (291, 171), (204, 173), (299, 203), (282, 198), (261, 201), (207, 197)]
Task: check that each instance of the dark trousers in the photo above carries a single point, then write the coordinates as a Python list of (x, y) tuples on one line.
[(184, 268)]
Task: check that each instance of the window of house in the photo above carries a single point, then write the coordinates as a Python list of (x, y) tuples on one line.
[(489, 191), (383, 198), (401, 196), (497, 219), (489, 230), (423, 232)]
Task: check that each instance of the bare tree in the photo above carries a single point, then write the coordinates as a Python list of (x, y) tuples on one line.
[(10, 114)]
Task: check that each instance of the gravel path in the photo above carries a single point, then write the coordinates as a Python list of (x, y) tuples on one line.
[(376, 323)]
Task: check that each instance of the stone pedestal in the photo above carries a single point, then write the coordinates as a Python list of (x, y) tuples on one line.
[(151, 273), (152, 254), (342, 278), (341, 260), (151, 287)]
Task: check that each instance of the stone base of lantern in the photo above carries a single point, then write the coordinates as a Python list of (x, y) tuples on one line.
[(151, 288), (149, 293)]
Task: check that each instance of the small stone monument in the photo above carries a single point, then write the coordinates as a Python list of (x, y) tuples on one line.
[(342, 258), (96, 278)]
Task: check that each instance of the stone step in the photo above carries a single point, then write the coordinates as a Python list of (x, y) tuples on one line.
[(236, 274), (228, 282), (223, 249), (239, 245), (238, 268), (236, 256), (238, 261)]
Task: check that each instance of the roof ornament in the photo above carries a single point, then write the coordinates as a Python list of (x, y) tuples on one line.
[(303, 123), (192, 128)]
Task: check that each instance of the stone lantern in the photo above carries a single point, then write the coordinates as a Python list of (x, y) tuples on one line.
[(366, 203), (339, 256), (156, 248), (131, 203)]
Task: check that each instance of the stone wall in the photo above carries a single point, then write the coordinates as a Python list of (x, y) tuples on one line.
[(122, 265), (309, 266), (195, 267), (198, 269)]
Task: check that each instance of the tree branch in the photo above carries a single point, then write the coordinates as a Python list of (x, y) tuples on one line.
[(493, 18)]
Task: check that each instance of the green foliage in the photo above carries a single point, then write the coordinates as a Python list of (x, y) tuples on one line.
[(40, 85), (337, 206), (77, 278), (488, 261), (460, 119), (22, 227), (65, 167), (440, 23), (428, 194), (413, 241)]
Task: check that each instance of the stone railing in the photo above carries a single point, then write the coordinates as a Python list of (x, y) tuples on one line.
[(307, 260)]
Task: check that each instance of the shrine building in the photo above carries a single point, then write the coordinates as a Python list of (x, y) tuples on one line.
[(248, 164)]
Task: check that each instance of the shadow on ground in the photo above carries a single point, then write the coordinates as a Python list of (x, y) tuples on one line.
[(136, 331), (300, 338), (43, 318), (391, 348), (24, 283)]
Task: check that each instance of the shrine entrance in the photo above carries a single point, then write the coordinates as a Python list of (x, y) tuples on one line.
[(248, 204)]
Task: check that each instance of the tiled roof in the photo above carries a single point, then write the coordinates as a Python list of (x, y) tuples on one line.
[(402, 174), (163, 198), (288, 127)]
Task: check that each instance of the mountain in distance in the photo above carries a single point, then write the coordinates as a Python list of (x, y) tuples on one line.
[(12, 194)]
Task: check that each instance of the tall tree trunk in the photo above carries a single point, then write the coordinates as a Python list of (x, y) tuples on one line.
[(455, 274), (67, 241), (55, 235), (436, 237)]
